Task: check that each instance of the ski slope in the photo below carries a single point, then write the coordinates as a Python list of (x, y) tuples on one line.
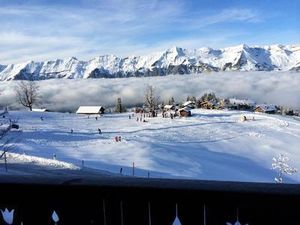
[(210, 145)]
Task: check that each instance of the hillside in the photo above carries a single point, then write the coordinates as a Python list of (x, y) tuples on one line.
[(212, 145), (175, 60)]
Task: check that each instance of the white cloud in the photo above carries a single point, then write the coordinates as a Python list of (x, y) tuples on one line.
[(37, 32), (264, 87)]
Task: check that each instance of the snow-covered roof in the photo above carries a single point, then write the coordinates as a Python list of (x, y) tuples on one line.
[(236, 101), (89, 109), (39, 110), (168, 106), (266, 108), (188, 103), (184, 109)]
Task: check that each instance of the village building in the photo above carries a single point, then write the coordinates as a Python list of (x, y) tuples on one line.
[(169, 107), (224, 103), (138, 110), (296, 112), (169, 111), (207, 105), (90, 110), (264, 108), (189, 104), (239, 104), (287, 112), (184, 112)]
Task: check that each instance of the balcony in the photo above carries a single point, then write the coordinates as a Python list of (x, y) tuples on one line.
[(79, 200)]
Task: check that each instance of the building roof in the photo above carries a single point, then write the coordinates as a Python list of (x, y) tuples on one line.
[(89, 109), (168, 106), (186, 109), (236, 101), (39, 110), (266, 108), (188, 103)]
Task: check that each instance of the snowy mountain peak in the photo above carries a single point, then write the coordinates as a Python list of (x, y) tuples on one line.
[(175, 50), (174, 60), (72, 59)]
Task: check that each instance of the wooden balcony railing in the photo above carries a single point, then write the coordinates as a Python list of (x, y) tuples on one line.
[(140, 201)]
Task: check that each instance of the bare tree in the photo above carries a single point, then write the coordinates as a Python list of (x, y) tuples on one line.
[(151, 100), (27, 93), (5, 146)]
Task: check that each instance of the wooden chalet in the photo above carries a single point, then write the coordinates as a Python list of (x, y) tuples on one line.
[(207, 105), (264, 108), (184, 112), (240, 104)]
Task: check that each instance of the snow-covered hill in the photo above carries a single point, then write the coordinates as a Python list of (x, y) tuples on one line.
[(172, 61), (212, 145)]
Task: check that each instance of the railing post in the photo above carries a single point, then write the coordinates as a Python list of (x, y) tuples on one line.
[(104, 213), (121, 211), (149, 214)]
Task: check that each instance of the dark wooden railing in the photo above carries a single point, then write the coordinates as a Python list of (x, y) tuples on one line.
[(130, 201)]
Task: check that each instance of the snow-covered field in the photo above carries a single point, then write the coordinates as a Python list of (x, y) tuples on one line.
[(212, 144)]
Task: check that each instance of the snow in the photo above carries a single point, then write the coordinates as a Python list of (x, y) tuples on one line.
[(241, 57), (89, 110), (187, 103), (236, 101), (33, 160), (212, 144), (176, 221), (8, 216), (168, 107), (55, 217), (39, 110)]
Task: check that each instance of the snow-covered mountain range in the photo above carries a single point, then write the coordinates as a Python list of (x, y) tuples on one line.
[(172, 61)]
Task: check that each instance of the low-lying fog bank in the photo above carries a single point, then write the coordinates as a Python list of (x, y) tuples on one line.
[(280, 88)]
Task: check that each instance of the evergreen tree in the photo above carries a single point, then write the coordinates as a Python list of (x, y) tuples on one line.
[(193, 99), (119, 107), (171, 101), (209, 97), (162, 105)]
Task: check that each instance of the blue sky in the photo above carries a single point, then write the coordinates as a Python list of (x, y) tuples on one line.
[(50, 29)]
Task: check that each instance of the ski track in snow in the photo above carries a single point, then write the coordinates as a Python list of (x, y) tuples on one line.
[(213, 145)]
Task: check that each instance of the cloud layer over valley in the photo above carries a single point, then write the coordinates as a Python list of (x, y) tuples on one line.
[(281, 88)]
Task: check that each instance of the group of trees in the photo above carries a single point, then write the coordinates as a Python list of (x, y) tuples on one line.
[(151, 101)]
